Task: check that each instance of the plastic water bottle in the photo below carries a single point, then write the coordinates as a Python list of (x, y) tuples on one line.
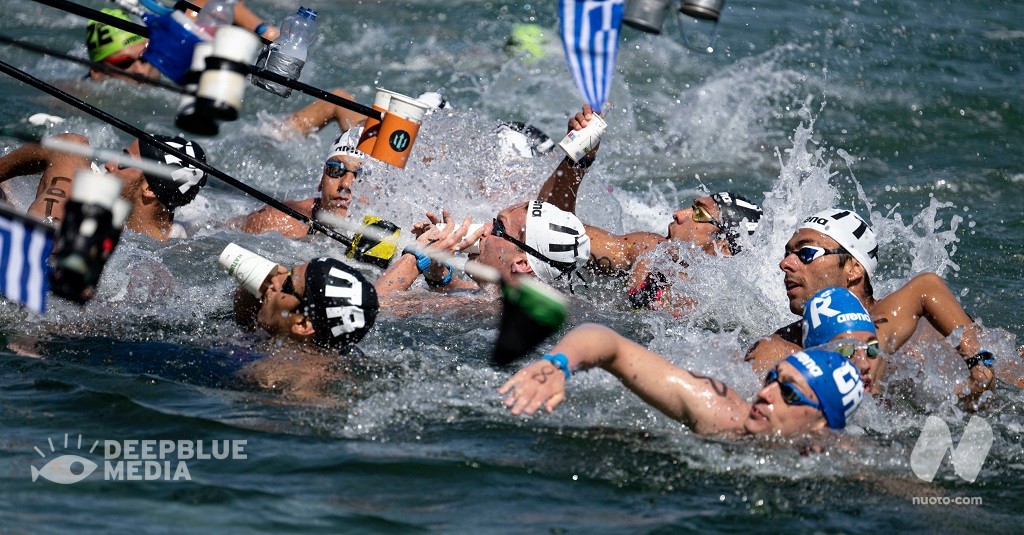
[(287, 54), (216, 13)]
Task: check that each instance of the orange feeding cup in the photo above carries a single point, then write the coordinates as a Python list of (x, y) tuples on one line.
[(371, 128), (398, 130)]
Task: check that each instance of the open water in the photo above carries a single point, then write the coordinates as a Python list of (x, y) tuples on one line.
[(912, 112)]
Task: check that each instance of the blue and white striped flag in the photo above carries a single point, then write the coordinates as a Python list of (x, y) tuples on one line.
[(25, 247), (590, 35)]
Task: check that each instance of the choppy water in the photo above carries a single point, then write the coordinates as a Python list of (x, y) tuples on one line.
[(910, 111)]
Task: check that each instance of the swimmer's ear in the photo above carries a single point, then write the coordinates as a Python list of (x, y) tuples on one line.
[(303, 328), (147, 192), (854, 270), (521, 264)]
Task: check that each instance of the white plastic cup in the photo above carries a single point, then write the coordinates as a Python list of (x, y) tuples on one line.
[(579, 142), (248, 268), (382, 99), (407, 107), (94, 188), (464, 246), (236, 44)]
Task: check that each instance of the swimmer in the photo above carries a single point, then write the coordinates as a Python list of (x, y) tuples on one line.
[(804, 392), (712, 224), (153, 198), (342, 170), (117, 48), (836, 247), (834, 319)]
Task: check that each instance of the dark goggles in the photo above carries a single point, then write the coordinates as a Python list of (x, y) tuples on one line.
[(288, 287), (790, 394), (498, 229), (810, 253), (338, 170), (848, 346), (124, 63)]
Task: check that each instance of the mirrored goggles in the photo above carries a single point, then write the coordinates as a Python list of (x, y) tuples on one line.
[(810, 253), (848, 346), (338, 170), (701, 215)]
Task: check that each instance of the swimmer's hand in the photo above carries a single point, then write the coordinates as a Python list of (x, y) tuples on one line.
[(538, 385), (581, 119)]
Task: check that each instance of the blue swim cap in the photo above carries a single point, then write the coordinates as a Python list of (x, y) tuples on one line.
[(831, 312), (834, 380)]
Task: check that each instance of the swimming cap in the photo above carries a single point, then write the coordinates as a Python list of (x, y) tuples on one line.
[(850, 231), (525, 140), (340, 303), (435, 100), (345, 144), (831, 312), (736, 212), (104, 40), (527, 39), (834, 380), (186, 180), (559, 236)]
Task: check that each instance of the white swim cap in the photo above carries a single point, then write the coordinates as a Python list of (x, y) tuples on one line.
[(847, 228), (435, 100), (557, 235), (345, 144)]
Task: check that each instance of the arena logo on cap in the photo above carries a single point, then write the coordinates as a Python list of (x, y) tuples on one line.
[(135, 460), (808, 362)]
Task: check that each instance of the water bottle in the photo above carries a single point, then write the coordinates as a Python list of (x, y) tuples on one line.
[(214, 14), (288, 53)]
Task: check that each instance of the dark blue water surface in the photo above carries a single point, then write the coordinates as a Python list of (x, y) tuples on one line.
[(911, 112)]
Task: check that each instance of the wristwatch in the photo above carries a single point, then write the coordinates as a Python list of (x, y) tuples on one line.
[(983, 358)]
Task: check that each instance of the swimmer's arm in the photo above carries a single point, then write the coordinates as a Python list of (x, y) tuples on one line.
[(33, 158), (701, 403), (611, 254), (928, 296), (245, 18), (766, 352), (562, 187)]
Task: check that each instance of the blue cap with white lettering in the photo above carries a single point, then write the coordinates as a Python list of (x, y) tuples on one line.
[(831, 312), (834, 380)]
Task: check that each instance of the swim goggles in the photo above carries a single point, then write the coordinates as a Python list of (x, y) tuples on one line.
[(123, 62), (701, 215), (338, 170), (790, 394), (810, 253), (288, 287), (848, 346)]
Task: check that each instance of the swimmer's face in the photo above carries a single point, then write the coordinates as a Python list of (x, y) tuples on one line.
[(129, 59), (336, 191), (279, 304), (498, 252), (696, 225), (871, 369), (804, 280), (131, 177), (770, 413)]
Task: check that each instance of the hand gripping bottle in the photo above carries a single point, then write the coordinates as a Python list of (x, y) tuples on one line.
[(287, 54)]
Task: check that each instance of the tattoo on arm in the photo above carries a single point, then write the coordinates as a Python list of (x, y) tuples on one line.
[(717, 386)]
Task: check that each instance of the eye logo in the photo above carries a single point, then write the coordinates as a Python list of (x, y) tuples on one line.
[(65, 469)]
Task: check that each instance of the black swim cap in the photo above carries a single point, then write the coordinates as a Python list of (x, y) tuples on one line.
[(339, 301), (187, 181), (733, 210)]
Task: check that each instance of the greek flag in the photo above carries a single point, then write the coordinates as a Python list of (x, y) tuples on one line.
[(25, 246), (590, 35)]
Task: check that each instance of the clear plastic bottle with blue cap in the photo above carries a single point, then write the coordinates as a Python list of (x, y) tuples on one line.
[(287, 54)]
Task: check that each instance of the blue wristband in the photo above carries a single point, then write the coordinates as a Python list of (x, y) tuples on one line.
[(560, 360), (261, 29), (422, 260), (444, 281)]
